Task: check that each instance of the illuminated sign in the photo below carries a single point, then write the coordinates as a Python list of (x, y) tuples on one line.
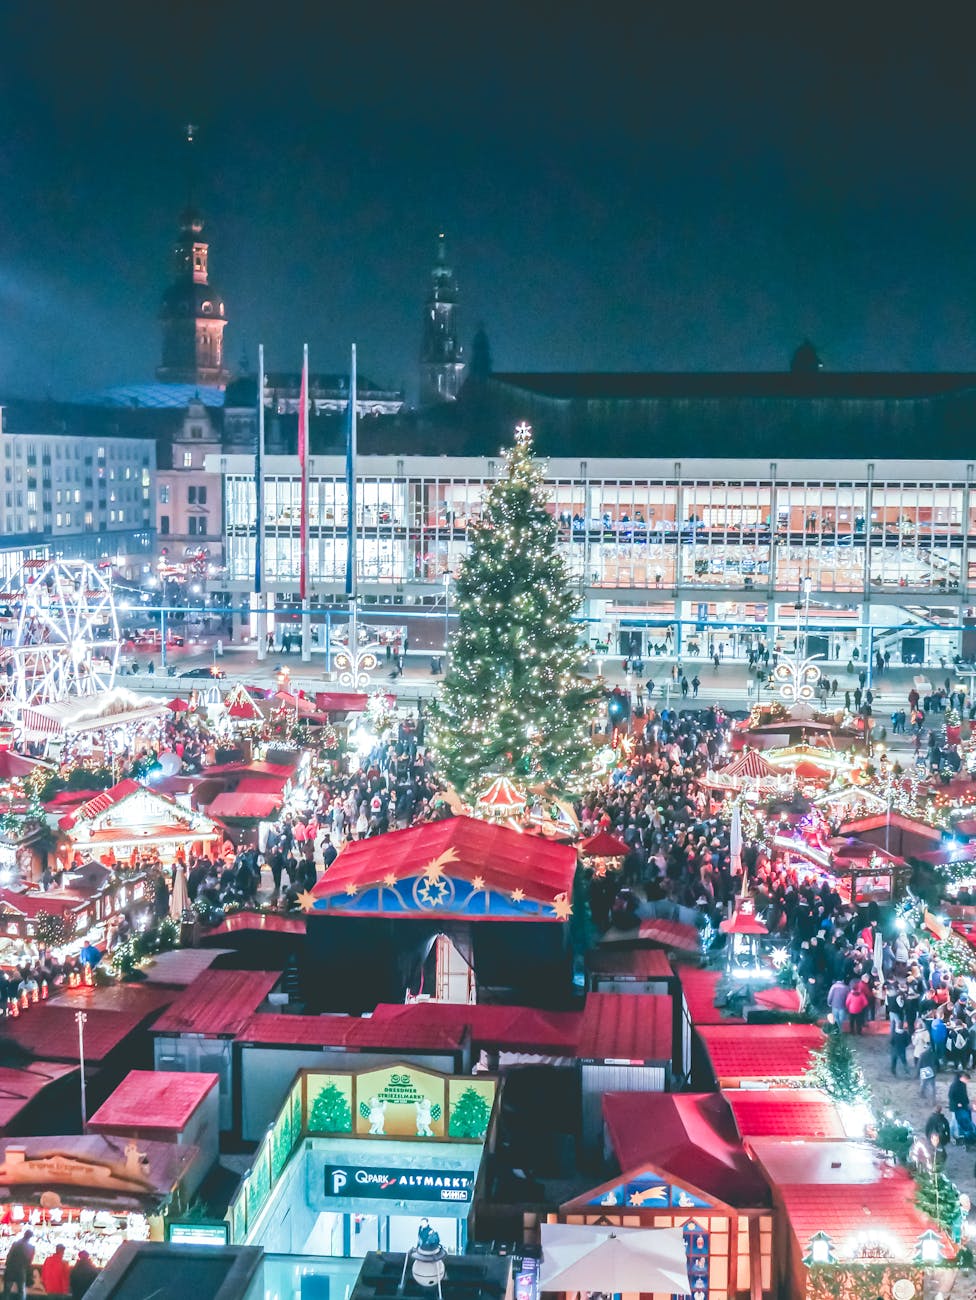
[(198, 1234), (381, 1182)]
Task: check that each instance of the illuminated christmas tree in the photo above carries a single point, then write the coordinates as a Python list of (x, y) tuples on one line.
[(514, 701), (330, 1112), (470, 1116)]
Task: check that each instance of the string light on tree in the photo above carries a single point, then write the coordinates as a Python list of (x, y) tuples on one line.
[(514, 702)]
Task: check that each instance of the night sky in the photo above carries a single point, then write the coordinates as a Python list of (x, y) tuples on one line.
[(686, 190)]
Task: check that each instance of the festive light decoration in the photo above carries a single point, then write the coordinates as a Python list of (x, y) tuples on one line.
[(514, 701), (797, 676), (353, 667)]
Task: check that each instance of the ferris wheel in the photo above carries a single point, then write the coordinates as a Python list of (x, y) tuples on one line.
[(62, 635)]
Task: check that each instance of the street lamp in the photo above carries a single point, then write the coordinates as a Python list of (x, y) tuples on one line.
[(80, 1020)]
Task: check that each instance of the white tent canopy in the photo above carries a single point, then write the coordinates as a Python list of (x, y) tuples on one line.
[(600, 1257)]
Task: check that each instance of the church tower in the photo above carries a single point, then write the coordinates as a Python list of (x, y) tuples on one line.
[(193, 314), (441, 367)]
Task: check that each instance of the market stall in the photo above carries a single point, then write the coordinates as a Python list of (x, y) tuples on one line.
[(89, 1193)]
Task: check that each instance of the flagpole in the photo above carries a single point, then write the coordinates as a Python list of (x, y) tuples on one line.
[(261, 622), (351, 566), (303, 543)]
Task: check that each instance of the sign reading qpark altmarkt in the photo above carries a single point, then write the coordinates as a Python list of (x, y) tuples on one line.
[(385, 1183)]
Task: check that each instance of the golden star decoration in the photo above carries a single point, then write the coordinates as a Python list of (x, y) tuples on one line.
[(435, 868), (562, 909), (306, 901), (389, 879), (352, 890), (518, 895), (478, 883)]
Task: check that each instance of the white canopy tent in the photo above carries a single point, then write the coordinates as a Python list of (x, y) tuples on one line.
[(600, 1257)]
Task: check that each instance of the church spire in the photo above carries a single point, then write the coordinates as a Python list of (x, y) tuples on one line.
[(441, 367), (193, 314)]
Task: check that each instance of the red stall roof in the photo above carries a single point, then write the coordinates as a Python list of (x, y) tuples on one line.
[(352, 1033), (690, 1135), (760, 1051), (630, 1027), (100, 802), (341, 701), (258, 921), (699, 988), (154, 1099), (503, 858), (784, 1112), (847, 1213), (49, 1032), (18, 1088), (514, 1029), (670, 934), (260, 806), (630, 963), (261, 785), (219, 1004)]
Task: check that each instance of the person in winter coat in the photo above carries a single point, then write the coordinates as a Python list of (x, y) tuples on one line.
[(856, 1005)]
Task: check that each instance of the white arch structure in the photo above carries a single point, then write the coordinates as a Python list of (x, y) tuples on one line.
[(65, 637)]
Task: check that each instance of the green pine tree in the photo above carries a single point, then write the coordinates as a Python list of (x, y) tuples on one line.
[(836, 1071), (330, 1112), (938, 1197), (514, 701), (469, 1118)]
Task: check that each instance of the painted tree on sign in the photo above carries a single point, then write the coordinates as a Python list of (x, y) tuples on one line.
[(330, 1112)]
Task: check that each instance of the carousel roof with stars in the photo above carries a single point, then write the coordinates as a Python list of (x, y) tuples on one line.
[(460, 866)]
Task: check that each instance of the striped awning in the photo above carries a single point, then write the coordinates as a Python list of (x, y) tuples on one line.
[(36, 724)]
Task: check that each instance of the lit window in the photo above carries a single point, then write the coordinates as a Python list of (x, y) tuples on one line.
[(188, 460), (164, 494)]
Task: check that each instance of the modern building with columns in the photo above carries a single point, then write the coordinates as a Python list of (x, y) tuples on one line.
[(712, 505)]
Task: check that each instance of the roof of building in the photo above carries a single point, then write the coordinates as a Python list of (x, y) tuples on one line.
[(690, 1136), (162, 1268), (157, 395), (844, 1189), (218, 1005), (154, 1099), (504, 860), (243, 805), (415, 1033), (760, 1051), (670, 934), (784, 1112), (180, 967), (699, 988), (629, 963), (20, 1087), (631, 1027), (257, 922), (524, 1029), (49, 1032)]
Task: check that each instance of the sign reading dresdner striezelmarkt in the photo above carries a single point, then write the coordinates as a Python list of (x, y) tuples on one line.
[(380, 1181)]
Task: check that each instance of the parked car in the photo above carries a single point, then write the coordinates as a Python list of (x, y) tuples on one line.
[(212, 671)]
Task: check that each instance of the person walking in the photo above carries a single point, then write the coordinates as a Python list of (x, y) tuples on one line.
[(83, 1274), (856, 1005), (55, 1273), (960, 1108), (18, 1272), (695, 685), (897, 1043)]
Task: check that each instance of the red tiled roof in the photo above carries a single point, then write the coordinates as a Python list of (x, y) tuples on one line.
[(266, 921), (699, 988), (554, 1033), (848, 1211), (630, 1027), (154, 1099), (604, 845), (18, 1088), (784, 1112), (100, 802), (49, 1032), (261, 785), (670, 934), (630, 963), (777, 999), (690, 1136), (760, 1051), (503, 858), (351, 1032), (219, 1004), (232, 804)]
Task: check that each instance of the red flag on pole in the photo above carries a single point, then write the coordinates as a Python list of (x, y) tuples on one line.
[(303, 468)]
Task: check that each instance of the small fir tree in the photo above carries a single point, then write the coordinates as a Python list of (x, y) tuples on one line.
[(469, 1118), (330, 1112), (938, 1197), (514, 701), (836, 1071)]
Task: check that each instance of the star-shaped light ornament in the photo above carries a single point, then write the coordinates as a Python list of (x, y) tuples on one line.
[(306, 901), (518, 895), (478, 883), (389, 879), (435, 868), (562, 908), (352, 890)]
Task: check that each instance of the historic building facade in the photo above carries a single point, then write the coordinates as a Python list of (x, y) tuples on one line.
[(193, 313), (714, 505), (441, 366)]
